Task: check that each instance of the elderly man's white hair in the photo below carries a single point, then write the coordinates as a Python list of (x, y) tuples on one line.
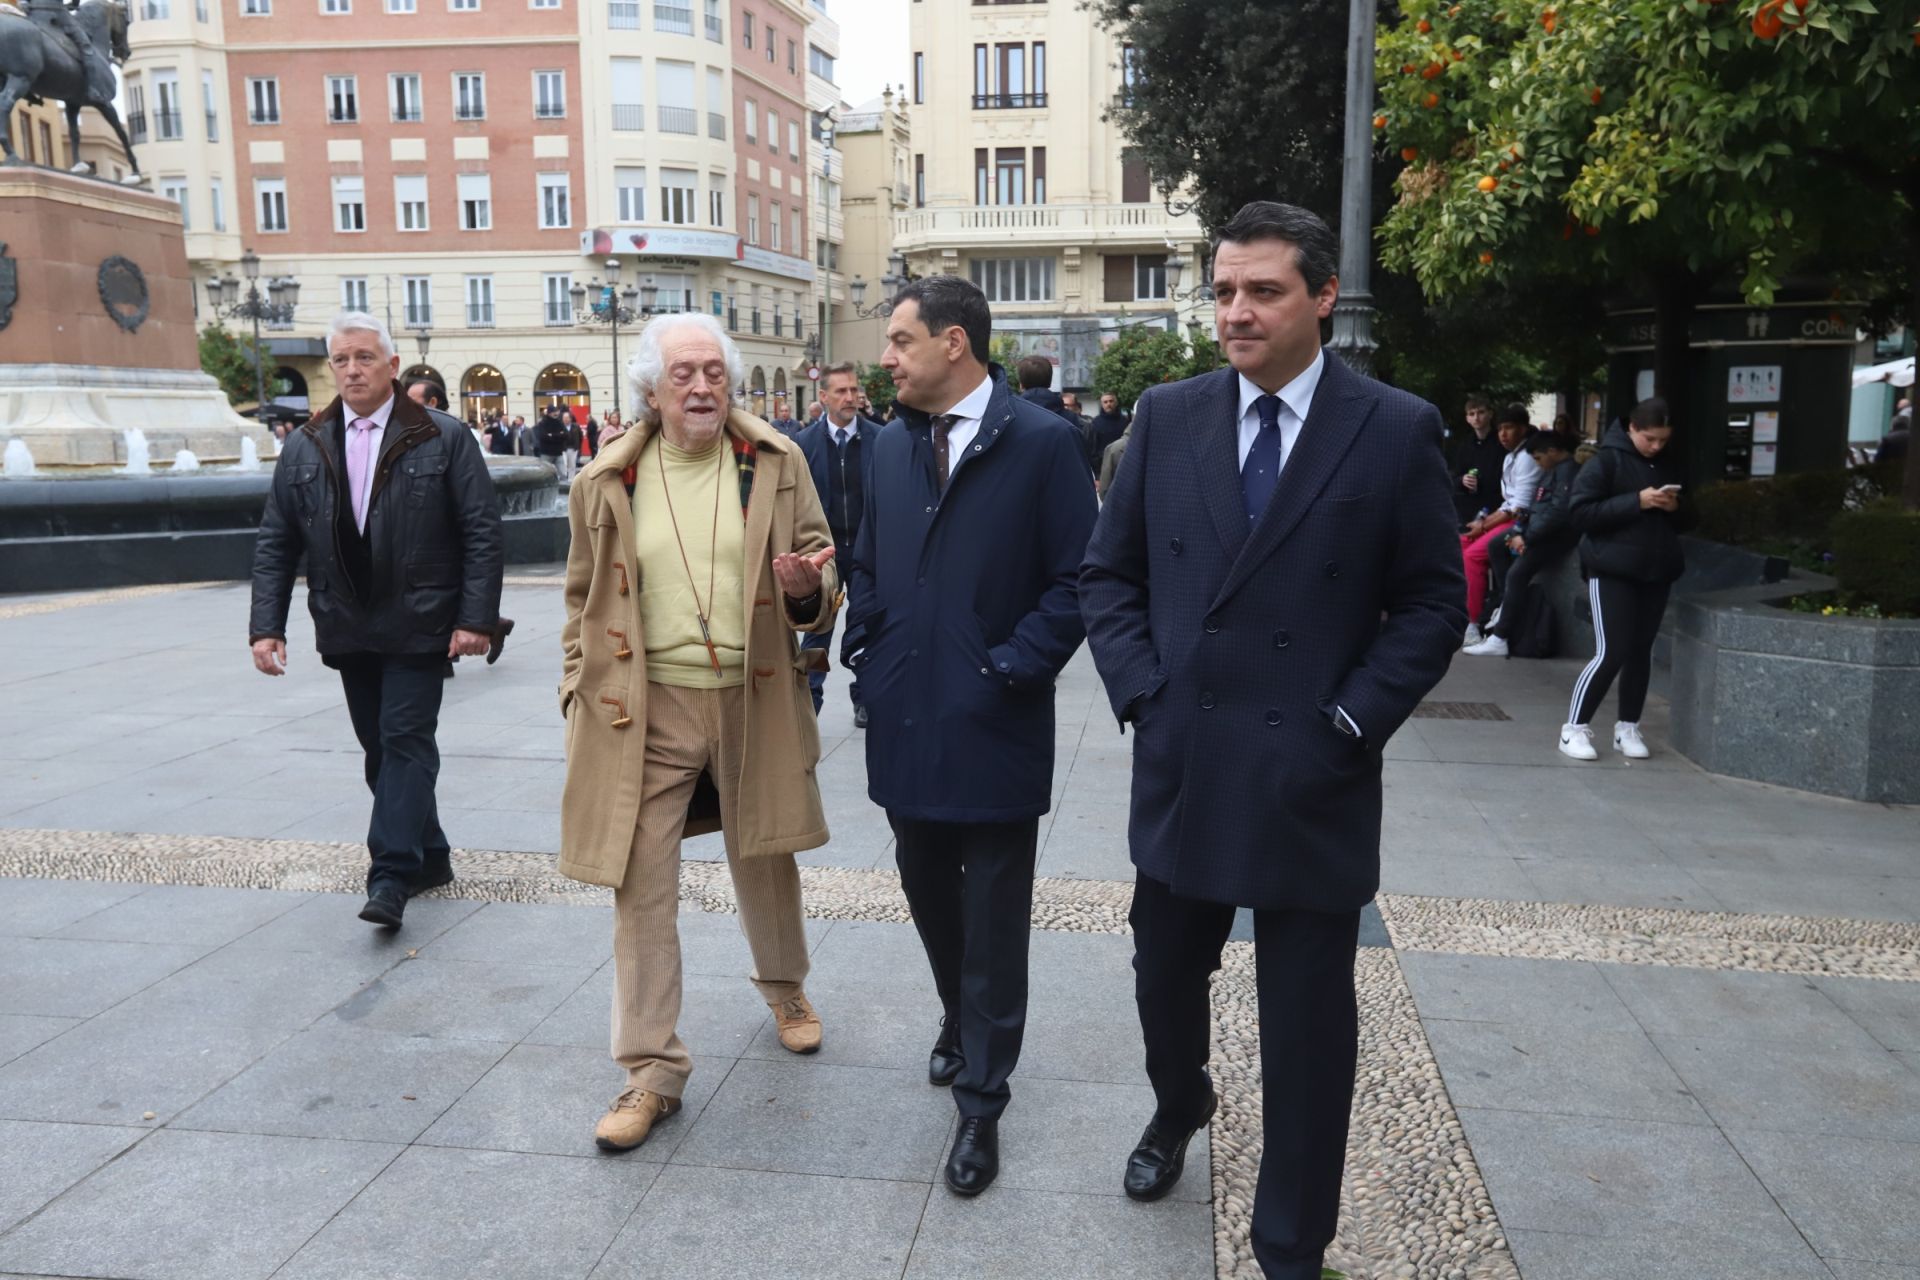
[(360, 322), (648, 364)]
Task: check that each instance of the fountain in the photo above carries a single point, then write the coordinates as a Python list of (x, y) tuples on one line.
[(139, 454), (185, 461), (249, 455), (19, 459)]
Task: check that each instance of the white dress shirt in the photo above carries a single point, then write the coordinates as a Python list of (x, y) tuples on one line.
[(376, 437), (966, 425), (1295, 399)]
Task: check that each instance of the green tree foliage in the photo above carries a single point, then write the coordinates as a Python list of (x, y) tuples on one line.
[(1142, 357), (229, 358), (878, 385)]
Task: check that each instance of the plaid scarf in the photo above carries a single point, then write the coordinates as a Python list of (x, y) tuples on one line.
[(744, 454)]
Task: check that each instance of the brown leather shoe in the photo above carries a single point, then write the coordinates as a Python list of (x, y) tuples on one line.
[(798, 1024), (631, 1118)]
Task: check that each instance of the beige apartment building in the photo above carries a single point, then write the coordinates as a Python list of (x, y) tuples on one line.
[(1021, 186), (459, 166), (875, 140)]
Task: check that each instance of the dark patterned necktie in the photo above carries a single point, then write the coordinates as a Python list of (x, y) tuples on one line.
[(942, 423), (1261, 474)]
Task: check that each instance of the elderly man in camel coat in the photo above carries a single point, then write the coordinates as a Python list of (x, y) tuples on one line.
[(699, 548)]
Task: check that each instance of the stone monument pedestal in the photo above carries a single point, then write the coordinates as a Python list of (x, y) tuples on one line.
[(97, 334)]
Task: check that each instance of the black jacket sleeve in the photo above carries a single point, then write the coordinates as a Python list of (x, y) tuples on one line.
[(482, 541), (1113, 580), (1595, 507), (276, 554)]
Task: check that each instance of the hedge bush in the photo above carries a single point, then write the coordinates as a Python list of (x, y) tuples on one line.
[(1800, 507), (1876, 555)]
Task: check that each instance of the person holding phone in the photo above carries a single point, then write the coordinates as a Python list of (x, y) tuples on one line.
[(1624, 506)]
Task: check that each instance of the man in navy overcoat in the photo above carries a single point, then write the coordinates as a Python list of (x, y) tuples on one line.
[(838, 446), (963, 610), (1272, 587)]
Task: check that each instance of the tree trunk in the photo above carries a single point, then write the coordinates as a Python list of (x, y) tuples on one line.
[(1675, 291)]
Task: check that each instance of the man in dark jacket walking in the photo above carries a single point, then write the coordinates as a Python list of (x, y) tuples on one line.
[(838, 447), (965, 610), (392, 506), (1538, 541), (1107, 426), (1036, 387)]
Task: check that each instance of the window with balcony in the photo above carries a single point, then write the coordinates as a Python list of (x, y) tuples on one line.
[(1013, 279), (1010, 175), (343, 99), (210, 103), (270, 204), (169, 122), (820, 62), (479, 302), (556, 289), (716, 199), (418, 291), (549, 95), (672, 19), (263, 101), (919, 180), (470, 95), (674, 82), (556, 202), (174, 189), (623, 15), (476, 201), (1014, 77), (772, 37), (410, 201), (629, 94), (716, 104), (716, 30), (353, 293), (630, 193), (350, 203), (403, 97), (678, 199)]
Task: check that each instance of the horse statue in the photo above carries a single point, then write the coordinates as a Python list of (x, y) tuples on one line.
[(39, 59)]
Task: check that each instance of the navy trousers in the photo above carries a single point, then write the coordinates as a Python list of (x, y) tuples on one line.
[(1309, 1044), (394, 701)]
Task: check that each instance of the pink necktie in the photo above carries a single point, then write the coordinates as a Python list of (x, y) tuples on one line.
[(360, 467)]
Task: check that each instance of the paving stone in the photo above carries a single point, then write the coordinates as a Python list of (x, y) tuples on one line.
[(1552, 1255), (1888, 1011), (1613, 883), (39, 1161), (1777, 1007), (806, 1117), (1510, 1067), (1625, 1179), (1839, 1089), (21, 1032), (547, 1099), (1560, 994), (185, 914), (66, 978), (1008, 1232), (284, 989), (196, 1206), (338, 1081), (31, 908), (1853, 1197), (461, 999), (1453, 876), (329, 922), (120, 1065), (1847, 1270), (1074, 1136), (738, 1224), (440, 1212), (525, 933)]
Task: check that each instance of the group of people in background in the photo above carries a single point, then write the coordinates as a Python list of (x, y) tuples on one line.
[(1526, 500)]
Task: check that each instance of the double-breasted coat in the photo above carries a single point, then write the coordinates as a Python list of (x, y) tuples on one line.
[(603, 686)]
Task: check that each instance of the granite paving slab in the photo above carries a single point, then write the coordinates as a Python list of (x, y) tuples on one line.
[(38, 1161), (1853, 1198), (1008, 1232)]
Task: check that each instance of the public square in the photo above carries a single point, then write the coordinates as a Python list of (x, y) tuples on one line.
[(1617, 1020)]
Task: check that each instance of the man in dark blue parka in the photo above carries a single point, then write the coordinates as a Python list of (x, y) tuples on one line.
[(964, 609), (1270, 592)]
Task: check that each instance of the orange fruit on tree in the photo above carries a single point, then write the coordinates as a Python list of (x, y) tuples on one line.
[(1423, 26), (1459, 56), (1593, 231), (1550, 20), (1407, 69), (1379, 122), (1409, 154), (1767, 22), (1503, 166), (1598, 97), (1431, 101), (1487, 183), (1486, 257), (1432, 70)]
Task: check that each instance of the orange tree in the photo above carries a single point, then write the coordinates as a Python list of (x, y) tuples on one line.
[(1668, 143)]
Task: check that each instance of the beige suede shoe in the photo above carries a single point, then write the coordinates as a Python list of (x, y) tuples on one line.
[(798, 1024), (630, 1119)]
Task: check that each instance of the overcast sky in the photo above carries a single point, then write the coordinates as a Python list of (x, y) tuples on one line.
[(873, 46)]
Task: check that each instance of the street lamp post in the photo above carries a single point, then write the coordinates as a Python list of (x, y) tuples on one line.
[(283, 295), (616, 306), (1353, 313), (1203, 292), (896, 278), (826, 234)]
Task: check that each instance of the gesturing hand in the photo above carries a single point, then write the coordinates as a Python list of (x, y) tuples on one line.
[(798, 575)]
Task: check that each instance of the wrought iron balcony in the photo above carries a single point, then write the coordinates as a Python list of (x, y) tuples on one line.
[(629, 117), (679, 120), (1008, 101)]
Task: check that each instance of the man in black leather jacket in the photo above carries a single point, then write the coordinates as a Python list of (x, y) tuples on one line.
[(391, 504)]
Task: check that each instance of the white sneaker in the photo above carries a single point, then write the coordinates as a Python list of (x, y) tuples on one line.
[(1491, 647), (1628, 742), (1473, 635), (1576, 740), (1494, 621)]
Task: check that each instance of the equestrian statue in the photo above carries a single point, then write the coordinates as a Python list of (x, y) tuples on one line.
[(48, 50)]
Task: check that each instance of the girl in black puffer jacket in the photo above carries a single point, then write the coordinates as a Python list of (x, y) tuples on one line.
[(1624, 503)]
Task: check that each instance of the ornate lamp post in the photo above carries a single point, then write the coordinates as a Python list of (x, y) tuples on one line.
[(614, 308), (895, 279), (226, 302), (1353, 314)]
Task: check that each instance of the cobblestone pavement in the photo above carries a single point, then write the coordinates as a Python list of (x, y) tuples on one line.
[(1621, 1020)]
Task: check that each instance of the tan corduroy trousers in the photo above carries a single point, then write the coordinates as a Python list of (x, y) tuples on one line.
[(689, 730)]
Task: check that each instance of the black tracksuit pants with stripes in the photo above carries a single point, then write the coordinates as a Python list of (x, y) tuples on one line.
[(1626, 619)]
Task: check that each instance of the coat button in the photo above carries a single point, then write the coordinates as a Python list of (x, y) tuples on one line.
[(1333, 569), (908, 722), (1212, 625), (1206, 702), (1175, 546), (623, 722), (1281, 639), (1273, 716), (913, 653)]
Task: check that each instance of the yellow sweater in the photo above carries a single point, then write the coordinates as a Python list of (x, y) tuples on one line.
[(669, 617)]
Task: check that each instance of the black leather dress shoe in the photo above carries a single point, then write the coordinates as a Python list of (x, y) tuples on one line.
[(1156, 1163), (385, 906), (974, 1161), (497, 645), (944, 1063)]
